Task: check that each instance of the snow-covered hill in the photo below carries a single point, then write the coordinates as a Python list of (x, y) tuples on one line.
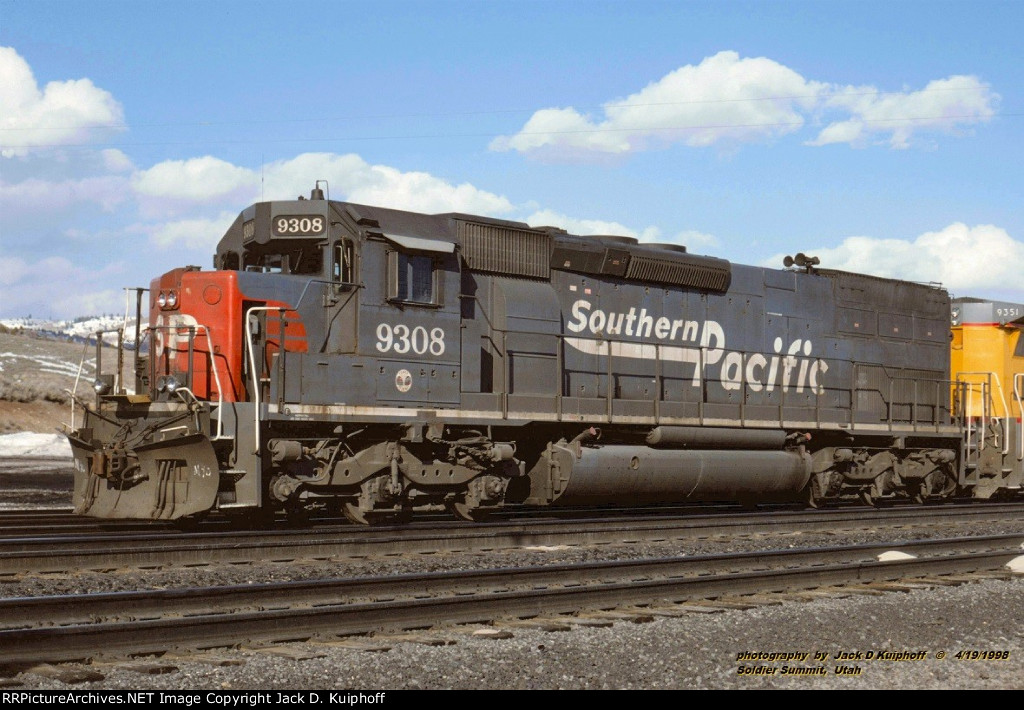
[(77, 329)]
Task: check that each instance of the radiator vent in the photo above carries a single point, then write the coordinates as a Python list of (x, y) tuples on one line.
[(505, 250), (703, 273)]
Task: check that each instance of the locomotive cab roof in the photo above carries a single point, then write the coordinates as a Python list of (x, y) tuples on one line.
[(287, 233)]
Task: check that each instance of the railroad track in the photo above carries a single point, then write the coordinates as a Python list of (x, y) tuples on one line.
[(47, 521), (44, 521), (128, 623), (65, 553)]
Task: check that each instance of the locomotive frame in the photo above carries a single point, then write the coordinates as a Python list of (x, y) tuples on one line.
[(383, 361)]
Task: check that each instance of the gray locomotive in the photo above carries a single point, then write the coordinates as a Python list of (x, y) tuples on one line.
[(380, 362)]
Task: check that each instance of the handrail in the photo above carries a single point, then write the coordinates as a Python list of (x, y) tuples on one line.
[(213, 366), (252, 366), (78, 376), (1018, 378), (985, 403)]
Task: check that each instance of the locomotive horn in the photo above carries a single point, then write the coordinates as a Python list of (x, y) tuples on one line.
[(801, 260)]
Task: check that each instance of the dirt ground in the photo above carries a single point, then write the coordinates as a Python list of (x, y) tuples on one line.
[(38, 416), (36, 375)]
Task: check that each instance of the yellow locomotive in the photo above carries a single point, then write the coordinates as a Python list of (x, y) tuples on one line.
[(987, 360)]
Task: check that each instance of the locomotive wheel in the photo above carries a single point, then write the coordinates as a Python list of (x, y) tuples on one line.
[(354, 514), (467, 512), (921, 499), (813, 499), (875, 502), (374, 517), (934, 488)]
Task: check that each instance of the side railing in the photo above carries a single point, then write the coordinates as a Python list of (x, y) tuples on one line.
[(190, 368), (982, 388), (103, 382), (1018, 398)]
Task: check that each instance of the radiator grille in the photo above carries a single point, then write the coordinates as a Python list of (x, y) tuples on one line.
[(693, 274), (505, 250)]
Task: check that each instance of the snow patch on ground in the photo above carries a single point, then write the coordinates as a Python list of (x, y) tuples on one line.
[(28, 443)]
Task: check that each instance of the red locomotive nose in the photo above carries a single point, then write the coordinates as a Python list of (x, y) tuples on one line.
[(195, 323)]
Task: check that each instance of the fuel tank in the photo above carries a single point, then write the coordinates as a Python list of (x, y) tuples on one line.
[(631, 475)]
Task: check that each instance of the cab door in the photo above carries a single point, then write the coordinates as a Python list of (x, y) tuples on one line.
[(412, 321), (341, 301)]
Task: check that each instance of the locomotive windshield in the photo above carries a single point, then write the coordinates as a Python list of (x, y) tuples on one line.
[(285, 257)]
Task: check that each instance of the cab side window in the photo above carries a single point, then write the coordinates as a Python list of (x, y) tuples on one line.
[(412, 278), (342, 264)]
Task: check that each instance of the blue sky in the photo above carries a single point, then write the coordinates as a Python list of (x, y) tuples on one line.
[(883, 137)]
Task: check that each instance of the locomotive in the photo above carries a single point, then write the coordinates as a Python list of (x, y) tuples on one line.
[(380, 362)]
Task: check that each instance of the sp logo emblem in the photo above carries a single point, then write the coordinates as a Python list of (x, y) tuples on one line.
[(403, 381)]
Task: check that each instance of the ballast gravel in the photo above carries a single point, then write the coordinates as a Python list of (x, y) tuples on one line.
[(895, 641), (944, 637)]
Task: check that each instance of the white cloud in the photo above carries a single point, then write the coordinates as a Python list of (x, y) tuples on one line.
[(199, 233), (724, 98), (181, 191), (550, 218), (12, 270), (943, 105), (691, 239), (351, 178), (89, 303), (205, 179), (694, 240), (55, 286), (966, 260), (32, 195), (731, 100), (115, 161), (62, 112), (177, 183)]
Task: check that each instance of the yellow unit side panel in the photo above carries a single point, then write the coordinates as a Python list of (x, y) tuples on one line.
[(982, 349)]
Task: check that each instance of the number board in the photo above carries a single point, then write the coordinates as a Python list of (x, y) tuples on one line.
[(293, 225)]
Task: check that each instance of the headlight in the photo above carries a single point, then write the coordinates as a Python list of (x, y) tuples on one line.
[(162, 300), (166, 383), (101, 387), (172, 299)]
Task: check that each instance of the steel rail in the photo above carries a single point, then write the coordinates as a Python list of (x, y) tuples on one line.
[(203, 618), (111, 551)]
